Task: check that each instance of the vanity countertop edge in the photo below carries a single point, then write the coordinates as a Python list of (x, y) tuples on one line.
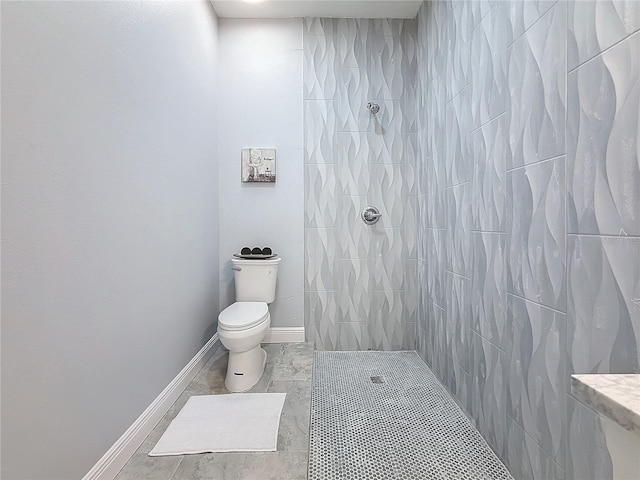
[(616, 396)]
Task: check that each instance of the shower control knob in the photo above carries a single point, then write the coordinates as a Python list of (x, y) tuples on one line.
[(370, 215), (374, 108)]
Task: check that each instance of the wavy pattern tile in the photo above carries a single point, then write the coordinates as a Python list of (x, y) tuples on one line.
[(436, 267), (435, 112), (411, 154), (411, 298), (532, 104), (319, 80), (479, 10), (460, 385), (354, 298), (457, 328), (410, 334), (534, 401), (312, 26), (603, 152), (410, 102), (587, 454), (386, 66), (388, 193), (386, 327), (604, 304), (421, 344), (322, 243), (458, 46), (489, 289), (436, 339), (489, 65), (523, 15), (458, 238), (388, 26), (353, 336), (421, 227), (437, 32), (525, 457), (423, 301), (351, 39), (596, 26), (458, 150), (479, 191), (321, 319), (353, 156), (354, 160), (435, 190), (536, 233), (321, 209), (410, 227), (352, 97), (320, 131), (489, 401), (537, 85), (489, 176), (390, 147), (355, 238), (432, 34), (391, 119), (387, 266)]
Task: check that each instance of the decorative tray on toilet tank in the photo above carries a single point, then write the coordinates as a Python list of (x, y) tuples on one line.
[(256, 256)]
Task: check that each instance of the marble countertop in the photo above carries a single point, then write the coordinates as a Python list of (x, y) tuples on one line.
[(616, 396)]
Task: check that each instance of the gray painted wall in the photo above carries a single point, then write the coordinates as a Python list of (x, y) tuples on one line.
[(529, 212), (360, 290), (109, 220), (261, 77)]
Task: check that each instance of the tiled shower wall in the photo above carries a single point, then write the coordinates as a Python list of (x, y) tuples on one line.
[(360, 290), (528, 204)]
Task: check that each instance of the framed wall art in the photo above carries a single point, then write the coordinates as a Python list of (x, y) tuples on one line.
[(258, 165)]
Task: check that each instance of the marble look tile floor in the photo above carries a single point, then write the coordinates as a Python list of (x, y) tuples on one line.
[(288, 370)]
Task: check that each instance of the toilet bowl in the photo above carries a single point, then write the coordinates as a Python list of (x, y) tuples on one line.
[(243, 324), (241, 328)]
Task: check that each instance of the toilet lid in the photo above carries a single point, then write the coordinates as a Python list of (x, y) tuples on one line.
[(241, 315)]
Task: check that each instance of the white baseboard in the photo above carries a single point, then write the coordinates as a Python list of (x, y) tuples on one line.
[(121, 451), (284, 335)]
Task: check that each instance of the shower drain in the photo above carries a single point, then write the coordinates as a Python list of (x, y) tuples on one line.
[(413, 431)]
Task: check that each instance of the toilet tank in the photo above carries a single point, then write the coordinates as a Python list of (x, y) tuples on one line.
[(255, 280)]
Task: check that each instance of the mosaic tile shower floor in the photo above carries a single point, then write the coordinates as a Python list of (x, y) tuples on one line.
[(384, 415)]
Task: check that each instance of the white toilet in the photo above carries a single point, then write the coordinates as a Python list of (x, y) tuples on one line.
[(243, 325)]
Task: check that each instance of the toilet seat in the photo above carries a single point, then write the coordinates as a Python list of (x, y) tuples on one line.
[(243, 315)]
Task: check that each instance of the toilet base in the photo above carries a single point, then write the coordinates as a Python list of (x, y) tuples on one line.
[(245, 369)]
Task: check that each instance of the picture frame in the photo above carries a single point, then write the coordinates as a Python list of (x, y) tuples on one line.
[(258, 165)]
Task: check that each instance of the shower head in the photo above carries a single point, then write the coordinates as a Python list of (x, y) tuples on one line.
[(374, 108)]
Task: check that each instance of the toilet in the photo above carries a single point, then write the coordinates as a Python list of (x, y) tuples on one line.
[(243, 324)]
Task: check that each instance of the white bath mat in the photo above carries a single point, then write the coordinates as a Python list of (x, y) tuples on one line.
[(238, 422)]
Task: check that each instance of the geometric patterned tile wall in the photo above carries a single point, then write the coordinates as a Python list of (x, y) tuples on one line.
[(360, 285), (528, 206)]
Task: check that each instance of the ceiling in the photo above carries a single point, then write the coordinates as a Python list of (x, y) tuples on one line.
[(316, 8)]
